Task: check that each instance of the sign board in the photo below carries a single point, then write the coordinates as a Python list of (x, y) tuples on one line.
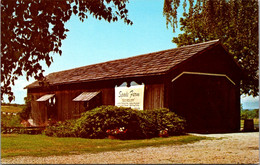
[(130, 97)]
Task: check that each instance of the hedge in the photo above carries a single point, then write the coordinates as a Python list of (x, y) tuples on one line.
[(61, 129), (139, 124)]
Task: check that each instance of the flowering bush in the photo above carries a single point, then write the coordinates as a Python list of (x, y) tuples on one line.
[(97, 123), (164, 133), (116, 131)]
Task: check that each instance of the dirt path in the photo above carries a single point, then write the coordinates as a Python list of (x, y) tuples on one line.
[(231, 148)]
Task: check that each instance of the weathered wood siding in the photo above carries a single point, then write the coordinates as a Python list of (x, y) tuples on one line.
[(65, 107), (154, 96), (39, 113), (68, 109), (198, 97), (108, 96)]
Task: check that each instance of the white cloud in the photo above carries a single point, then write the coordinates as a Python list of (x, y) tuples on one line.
[(250, 102)]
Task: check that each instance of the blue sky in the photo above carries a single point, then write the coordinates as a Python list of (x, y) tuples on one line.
[(95, 41)]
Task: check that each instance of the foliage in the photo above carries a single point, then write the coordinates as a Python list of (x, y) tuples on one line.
[(10, 117), (139, 124), (61, 129), (247, 114), (234, 22), (164, 118), (25, 113), (10, 121), (94, 123), (33, 29)]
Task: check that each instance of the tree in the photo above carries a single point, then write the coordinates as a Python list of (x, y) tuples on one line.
[(32, 29), (25, 113), (244, 114), (247, 114), (234, 22)]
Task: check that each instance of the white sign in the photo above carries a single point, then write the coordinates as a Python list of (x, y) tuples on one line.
[(130, 97)]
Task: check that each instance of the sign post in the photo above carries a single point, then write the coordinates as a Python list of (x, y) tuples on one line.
[(130, 97)]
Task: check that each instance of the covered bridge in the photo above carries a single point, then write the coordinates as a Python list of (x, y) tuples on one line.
[(200, 82)]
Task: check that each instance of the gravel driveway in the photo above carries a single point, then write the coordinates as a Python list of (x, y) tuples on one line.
[(229, 148)]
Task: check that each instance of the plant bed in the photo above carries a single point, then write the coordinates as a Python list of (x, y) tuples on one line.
[(118, 133), (164, 133), (108, 120)]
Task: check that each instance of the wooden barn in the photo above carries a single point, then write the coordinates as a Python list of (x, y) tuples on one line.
[(200, 82)]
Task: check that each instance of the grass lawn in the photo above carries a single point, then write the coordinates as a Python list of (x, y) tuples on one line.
[(41, 145), (12, 108)]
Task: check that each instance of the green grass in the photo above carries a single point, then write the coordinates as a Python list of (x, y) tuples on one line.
[(12, 108), (241, 123), (41, 145), (256, 121)]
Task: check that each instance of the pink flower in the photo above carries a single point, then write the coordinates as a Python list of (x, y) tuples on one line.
[(117, 131)]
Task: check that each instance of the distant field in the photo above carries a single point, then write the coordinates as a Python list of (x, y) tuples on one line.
[(11, 108), (256, 121)]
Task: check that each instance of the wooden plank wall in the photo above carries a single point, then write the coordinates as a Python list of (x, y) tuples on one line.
[(108, 96), (39, 112), (154, 96), (66, 108)]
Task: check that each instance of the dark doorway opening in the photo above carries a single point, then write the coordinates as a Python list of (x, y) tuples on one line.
[(206, 102)]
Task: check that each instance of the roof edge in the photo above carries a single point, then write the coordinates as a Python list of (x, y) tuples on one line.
[(217, 41), (197, 54), (131, 76), (100, 79)]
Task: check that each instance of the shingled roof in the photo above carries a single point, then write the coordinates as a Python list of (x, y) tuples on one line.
[(156, 63)]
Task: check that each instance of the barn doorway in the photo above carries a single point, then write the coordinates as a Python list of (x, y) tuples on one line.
[(207, 102), (47, 105)]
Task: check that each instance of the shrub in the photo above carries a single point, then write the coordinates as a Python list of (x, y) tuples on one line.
[(10, 121), (25, 113), (61, 129), (95, 123), (164, 118), (139, 124)]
